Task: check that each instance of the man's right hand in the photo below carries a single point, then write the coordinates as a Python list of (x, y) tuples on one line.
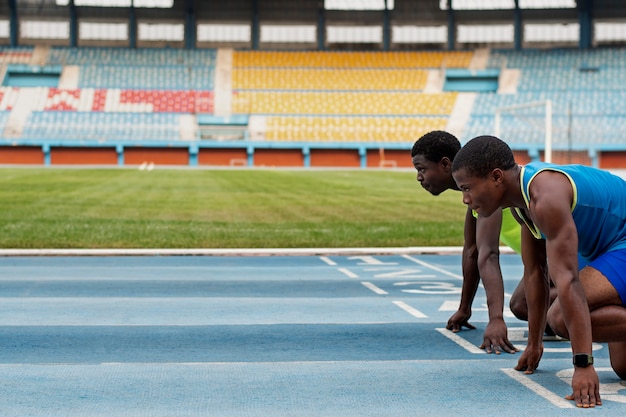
[(459, 320), (496, 339), (529, 361)]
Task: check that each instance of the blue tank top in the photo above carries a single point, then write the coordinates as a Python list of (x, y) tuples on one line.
[(598, 207)]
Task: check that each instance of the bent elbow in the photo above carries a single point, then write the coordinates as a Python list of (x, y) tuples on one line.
[(470, 253), (488, 257)]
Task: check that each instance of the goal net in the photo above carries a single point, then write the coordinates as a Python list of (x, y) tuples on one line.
[(529, 124)]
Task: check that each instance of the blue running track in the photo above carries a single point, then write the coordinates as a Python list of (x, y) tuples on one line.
[(265, 336)]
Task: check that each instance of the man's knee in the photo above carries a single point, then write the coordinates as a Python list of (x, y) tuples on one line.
[(556, 321), (519, 308), (620, 371), (617, 353)]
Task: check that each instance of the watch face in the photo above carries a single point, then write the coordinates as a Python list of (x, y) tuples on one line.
[(583, 360)]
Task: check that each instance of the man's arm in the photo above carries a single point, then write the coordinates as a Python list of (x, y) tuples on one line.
[(471, 277), (488, 244), (536, 287), (551, 199)]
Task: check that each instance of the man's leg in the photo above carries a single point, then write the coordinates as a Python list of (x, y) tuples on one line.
[(608, 316), (617, 352), (519, 306)]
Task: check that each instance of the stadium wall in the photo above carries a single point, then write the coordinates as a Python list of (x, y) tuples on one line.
[(312, 155)]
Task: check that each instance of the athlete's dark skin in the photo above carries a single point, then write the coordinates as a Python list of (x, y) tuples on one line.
[(480, 259), (587, 307)]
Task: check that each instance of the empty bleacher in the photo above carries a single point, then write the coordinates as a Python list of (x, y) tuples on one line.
[(351, 60), (310, 96), (133, 88), (176, 77), (343, 96), (147, 68), (102, 126), (338, 79), (376, 103), (161, 57), (304, 96), (587, 90), (349, 128)]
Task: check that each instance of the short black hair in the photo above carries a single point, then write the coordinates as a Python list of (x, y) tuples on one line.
[(436, 145), (482, 155)]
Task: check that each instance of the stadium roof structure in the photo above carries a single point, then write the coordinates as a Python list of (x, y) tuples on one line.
[(312, 24)]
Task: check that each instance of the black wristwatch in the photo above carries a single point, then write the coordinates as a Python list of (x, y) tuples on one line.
[(583, 360)]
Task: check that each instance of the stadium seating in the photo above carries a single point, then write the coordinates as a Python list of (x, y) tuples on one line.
[(8, 96), (312, 96), (350, 128), (102, 126), (309, 59), (132, 57), (343, 96), (116, 100), (119, 93), (320, 96), (587, 89), (176, 77), (16, 55), (4, 116), (343, 103), (329, 79)]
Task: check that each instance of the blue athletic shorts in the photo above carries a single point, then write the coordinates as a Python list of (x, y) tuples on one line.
[(613, 267)]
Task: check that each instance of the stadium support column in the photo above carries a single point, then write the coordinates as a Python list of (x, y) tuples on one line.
[(193, 155), (132, 28), (451, 27), (386, 28), (321, 27), (363, 156), (586, 25), (45, 148), (13, 22), (190, 26), (306, 156), (250, 153), (517, 27), (256, 31), (119, 149), (595, 158), (73, 25)]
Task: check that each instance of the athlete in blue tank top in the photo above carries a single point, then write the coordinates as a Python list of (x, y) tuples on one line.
[(598, 207), (567, 209)]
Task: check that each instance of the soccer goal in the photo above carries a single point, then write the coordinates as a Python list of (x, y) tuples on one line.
[(526, 123)]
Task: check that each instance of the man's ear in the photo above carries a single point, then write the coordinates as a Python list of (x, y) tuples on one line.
[(446, 164), (497, 175)]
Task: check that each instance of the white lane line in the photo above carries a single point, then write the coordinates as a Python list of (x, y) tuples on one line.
[(523, 379), (347, 272), (433, 267), (412, 311), (374, 288), (460, 341), (443, 271), (328, 261)]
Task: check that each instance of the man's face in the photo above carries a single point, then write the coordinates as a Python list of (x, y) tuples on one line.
[(435, 177), (481, 194)]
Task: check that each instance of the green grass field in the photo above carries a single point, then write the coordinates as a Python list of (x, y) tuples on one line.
[(183, 208)]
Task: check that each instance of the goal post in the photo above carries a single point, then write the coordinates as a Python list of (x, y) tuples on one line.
[(530, 122)]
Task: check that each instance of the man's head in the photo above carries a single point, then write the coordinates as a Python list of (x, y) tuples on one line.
[(479, 171), (432, 157)]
